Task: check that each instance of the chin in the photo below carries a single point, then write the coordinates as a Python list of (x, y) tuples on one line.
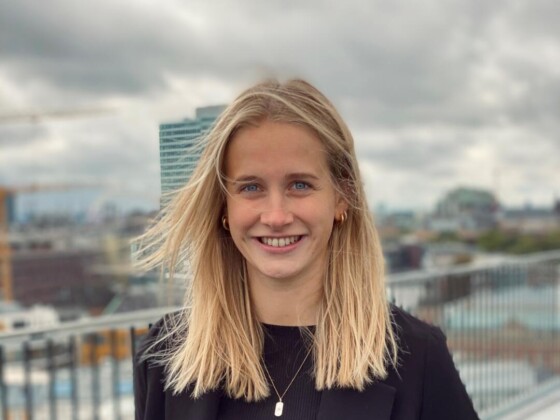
[(279, 275)]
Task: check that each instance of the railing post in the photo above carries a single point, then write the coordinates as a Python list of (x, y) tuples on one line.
[(555, 309), (96, 400), (3, 387), (28, 390), (52, 379), (74, 354), (115, 373), (133, 343)]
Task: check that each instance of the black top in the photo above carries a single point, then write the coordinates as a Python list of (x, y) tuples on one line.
[(285, 349), (424, 386)]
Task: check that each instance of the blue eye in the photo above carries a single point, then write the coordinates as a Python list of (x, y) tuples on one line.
[(299, 185), (250, 188)]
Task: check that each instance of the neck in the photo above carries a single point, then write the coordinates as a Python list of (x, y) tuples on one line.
[(286, 302)]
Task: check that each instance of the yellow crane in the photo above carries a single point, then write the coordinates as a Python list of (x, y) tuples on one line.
[(5, 253), (38, 116), (6, 290)]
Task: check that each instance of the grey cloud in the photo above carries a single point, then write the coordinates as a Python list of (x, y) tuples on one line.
[(105, 50), (411, 155), (395, 63), (20, 135), (537, 17), (386, 65), (389, 55)]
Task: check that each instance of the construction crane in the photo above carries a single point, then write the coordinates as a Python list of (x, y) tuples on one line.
[(5, 253), (6, 192), (38, 116)]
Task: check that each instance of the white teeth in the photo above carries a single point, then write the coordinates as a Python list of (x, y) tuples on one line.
[(279, 242)]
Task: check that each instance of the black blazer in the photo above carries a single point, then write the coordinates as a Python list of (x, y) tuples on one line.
[(425, 386)]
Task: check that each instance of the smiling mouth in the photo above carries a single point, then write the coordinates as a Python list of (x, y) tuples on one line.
[(279, 242)]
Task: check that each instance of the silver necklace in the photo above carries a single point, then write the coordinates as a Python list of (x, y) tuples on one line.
[(279, 407)]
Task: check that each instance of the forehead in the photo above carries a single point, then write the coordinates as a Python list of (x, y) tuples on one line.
[(276, 149)]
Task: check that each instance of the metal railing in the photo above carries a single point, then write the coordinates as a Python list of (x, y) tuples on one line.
[(502, 322), (77, 370)]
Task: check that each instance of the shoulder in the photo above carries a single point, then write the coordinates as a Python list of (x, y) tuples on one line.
[(412, 332), (415, 339), (421, 345), (160, 335), (156, 345), (426, 371), (149, 371)]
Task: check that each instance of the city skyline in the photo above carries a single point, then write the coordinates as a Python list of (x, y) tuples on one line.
[(454, 94)]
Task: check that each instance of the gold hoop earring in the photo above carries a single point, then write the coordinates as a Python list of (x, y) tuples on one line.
[(343, 217), (225, 223)]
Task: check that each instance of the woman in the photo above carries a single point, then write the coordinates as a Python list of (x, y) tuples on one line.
[(286, 312)]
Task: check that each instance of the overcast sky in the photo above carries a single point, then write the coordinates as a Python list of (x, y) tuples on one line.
[(438, 94)]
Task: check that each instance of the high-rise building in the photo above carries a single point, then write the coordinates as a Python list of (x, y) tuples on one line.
[(177, 154)]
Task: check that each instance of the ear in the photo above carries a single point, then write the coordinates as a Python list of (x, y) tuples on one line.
[(341, 206)]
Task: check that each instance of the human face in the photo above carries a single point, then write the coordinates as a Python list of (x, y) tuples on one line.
[(281, 203)]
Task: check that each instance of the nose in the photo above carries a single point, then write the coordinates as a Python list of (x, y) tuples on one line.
[(276, 214)]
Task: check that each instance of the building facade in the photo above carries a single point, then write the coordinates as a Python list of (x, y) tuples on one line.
[(465, 209), (178, 153)]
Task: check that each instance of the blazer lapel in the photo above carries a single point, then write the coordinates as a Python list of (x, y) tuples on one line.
[(186, 408), (374, 403)]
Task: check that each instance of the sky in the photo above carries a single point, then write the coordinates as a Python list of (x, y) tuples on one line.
[(438, 94)]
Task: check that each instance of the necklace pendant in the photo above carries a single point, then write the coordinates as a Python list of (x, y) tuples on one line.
[(279, 408)]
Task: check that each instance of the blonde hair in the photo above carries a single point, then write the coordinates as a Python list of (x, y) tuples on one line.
[(217, 340)]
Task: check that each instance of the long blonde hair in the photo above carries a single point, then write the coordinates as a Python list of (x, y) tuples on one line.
[(217, 340)]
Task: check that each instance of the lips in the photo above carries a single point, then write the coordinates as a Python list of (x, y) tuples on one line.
[(277, 242)]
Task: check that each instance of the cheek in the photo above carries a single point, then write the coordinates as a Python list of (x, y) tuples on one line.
[(239, 220), (329, 222), (236, 230)]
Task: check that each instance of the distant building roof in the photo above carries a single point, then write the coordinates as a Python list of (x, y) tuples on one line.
[(533, 308), (528, 212)]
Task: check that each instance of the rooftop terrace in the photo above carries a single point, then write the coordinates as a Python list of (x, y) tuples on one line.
[(502, 321)]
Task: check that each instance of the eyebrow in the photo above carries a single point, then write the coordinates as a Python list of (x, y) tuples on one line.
[(242, 178), (302, 175), (252, 178)]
